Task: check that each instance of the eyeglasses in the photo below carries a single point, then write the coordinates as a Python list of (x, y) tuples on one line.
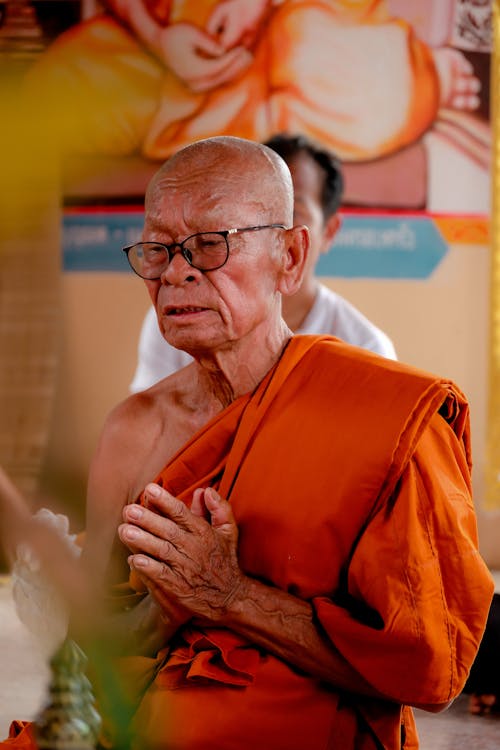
[(205, 251)]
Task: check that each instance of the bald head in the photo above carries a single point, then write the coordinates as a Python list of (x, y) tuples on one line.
[(232, 283), (231, 170)]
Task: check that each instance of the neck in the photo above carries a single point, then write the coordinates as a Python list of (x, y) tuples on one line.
[(297, 307), (227, 374)]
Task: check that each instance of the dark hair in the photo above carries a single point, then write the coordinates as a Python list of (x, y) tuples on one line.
[(288, 146)]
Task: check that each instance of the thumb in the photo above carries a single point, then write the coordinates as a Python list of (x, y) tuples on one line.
[(198, 507), (221, 513)]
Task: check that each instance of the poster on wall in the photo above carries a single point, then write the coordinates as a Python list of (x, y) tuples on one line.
[(398, 89)]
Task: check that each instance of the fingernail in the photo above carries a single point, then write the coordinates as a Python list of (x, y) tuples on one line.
[(140, 561), (134, 511), (153, 490), (137, 561)]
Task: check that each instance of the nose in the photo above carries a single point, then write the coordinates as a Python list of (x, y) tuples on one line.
[(179, 272)]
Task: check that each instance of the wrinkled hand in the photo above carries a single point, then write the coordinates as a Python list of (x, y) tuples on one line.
[(184, 559), (198, 59), (235, 22)]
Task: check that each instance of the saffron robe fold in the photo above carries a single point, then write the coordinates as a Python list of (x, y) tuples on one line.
[(349, 478)]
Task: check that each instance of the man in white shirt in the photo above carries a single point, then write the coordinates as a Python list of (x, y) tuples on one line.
[(314, 308)]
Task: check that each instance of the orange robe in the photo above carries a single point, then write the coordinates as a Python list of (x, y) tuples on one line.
[(343, 72), (349, 478)]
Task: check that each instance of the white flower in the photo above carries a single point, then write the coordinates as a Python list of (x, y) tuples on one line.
[(39, 605)]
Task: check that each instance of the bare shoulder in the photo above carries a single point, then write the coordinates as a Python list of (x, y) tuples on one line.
[(135, 421), (131, 450), (134, 438), (141, 434)]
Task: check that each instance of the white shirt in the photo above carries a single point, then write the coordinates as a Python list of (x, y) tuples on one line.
[(330, 314)]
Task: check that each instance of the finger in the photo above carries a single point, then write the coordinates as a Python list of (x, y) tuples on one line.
[(216, 22), (222, 70), (208, 45), (156, 577), (158, 499), (132, 537), (462, 64), (198, 507), (149, 570), (468, 85), (465, 102), (152, 522), (220, 510), (140, 541), (227, 34), (223, 25)]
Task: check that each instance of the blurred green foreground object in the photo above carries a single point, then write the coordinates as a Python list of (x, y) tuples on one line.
[(69, 720)]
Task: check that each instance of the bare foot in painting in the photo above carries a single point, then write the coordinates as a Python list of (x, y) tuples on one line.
[(459, 85), (482, 704)]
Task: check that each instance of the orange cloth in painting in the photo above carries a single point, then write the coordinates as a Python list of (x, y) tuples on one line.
[(311, 57), (349, 478)]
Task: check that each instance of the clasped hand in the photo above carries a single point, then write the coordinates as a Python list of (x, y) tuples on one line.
[(206, 58), (187, 558)]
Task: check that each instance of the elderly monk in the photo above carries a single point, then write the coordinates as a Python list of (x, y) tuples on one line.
[(292, 513), (314, 308)]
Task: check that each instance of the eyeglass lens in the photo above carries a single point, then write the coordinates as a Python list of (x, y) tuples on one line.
[(206, 251)]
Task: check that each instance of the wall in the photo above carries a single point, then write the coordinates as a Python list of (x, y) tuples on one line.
[(440, 324)]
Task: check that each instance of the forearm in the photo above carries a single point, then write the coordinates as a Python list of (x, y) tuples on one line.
[(141, 629), (144, 629), (285, 625), (195, 565)]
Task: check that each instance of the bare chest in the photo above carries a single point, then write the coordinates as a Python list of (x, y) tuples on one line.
[(167, 434)]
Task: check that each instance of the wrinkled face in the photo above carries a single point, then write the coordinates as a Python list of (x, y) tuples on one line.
[(308, 179), (201, 311)]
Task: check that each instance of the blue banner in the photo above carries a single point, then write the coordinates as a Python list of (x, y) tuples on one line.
[(384, 247), (377, 247)]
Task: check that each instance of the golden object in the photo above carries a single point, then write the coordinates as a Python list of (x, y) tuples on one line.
[(492, 478), (69, 721)]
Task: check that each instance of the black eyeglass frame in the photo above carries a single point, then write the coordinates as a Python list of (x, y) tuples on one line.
[(171, 251)]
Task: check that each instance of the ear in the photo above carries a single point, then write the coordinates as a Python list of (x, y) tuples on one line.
[(332, 226), (293, 259)]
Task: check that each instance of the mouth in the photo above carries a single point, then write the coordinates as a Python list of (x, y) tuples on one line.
[(188, 310)]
